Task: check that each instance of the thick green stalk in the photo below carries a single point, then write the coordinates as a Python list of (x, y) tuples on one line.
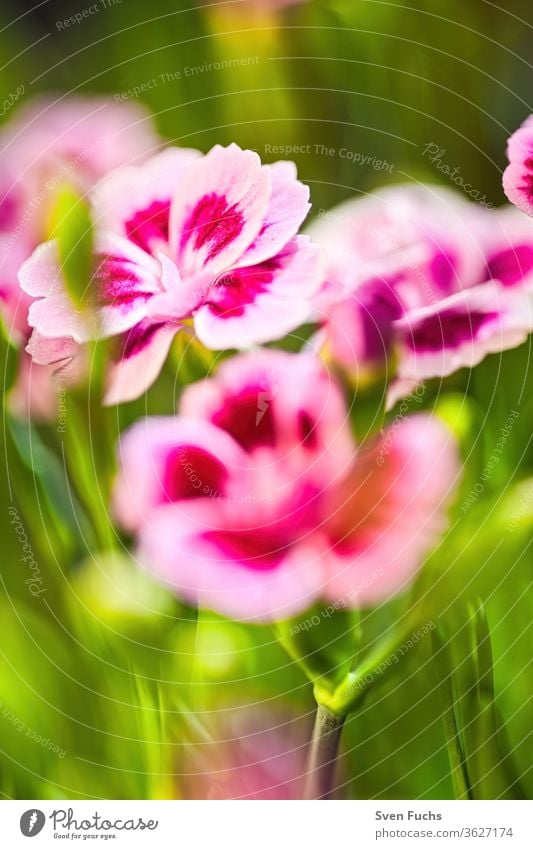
[(324, 747)]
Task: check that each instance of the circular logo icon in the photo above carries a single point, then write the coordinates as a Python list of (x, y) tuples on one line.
[(32, 822)]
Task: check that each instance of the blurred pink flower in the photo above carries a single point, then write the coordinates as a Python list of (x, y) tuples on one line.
[(518, 176), (418, 272), (256, 502), (251, 754), (56, 139), (52, 141), (208, 238)]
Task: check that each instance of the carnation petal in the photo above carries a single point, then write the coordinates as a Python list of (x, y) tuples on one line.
[(218, 209)]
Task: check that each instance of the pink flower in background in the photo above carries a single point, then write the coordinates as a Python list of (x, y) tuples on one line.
[(419, 272), (255, 500), (74, 139), (50, 142), (249, 753), (209, 239), (518, 176)]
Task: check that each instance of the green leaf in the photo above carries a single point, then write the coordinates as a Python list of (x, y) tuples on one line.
[(74, 233), (444, 672), (41, 484), (488, 757), (8, 358)]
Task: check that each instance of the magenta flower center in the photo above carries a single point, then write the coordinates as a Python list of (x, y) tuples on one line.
[(192, 472), (248, 417)]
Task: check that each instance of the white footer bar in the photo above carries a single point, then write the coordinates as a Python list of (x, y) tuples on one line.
[(266, 825)]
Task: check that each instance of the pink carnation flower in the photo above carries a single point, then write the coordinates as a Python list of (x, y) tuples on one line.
[(256, 502), (418, 271), (518, 176), (50, 142), (209, 239)]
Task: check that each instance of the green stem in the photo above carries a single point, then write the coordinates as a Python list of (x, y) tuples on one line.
[(350, 693), (90, 472), (324, 747)]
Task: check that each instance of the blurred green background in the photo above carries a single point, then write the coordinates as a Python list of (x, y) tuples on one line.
[(106, 667)]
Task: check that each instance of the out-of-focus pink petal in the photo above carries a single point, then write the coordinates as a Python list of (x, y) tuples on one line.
[(56, 140), (60, 138), (221, 556), (359, 330), (168, 459), (274, 400), (461, 330), (425, 236), (45, 351), (518, 176), (509, 248), (52, 141), (218, 209), (14, 302), (390, 512), (135, 201), (287, 209), (255, 304)]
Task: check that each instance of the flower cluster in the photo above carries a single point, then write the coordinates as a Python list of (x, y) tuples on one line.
[(256, 500)]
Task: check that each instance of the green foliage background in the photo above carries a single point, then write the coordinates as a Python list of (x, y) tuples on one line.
[(106, 665)]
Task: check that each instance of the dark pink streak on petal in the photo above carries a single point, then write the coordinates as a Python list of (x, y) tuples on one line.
[(307, 430), (248, 417), (526, 186), (118, 282), (447, 329), (213, 222), (137, 339), (238, 288), (191, 472), (443, 271), (258, 549), (150, 225), (380, 306), (512, 265)]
